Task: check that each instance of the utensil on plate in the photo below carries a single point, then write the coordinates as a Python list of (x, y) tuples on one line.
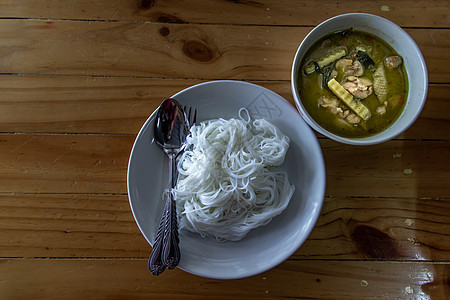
[(170, 132)]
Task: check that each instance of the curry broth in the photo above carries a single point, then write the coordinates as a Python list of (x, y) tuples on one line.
[(311, 87)]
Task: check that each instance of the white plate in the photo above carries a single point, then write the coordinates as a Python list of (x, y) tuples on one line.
[(264, 247)]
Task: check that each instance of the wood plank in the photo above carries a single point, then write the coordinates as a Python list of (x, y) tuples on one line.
[(264, 12), (380, 228), (64, 163), (78, 104), (392, 169), (49, 163), (125, 279), (172, 50), (69, 225), (80, 225), (147, 49)]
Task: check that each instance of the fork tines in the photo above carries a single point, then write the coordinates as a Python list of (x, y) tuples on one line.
[(194, 120), (189, 113)]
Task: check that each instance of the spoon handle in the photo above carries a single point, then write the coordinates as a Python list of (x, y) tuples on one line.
[(155, 263), (170, 248)]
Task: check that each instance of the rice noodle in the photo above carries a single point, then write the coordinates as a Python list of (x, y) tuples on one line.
[(230, 177)]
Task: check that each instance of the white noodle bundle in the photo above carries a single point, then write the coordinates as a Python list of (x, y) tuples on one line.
[(230, 178)]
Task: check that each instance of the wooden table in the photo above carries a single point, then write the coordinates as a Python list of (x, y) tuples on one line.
[(79, 78)]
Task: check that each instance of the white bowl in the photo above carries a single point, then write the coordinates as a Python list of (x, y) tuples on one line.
[(402, 43), (264, 247)]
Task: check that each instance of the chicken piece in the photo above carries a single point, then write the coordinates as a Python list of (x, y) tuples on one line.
[(350, 67), (356, 69), (392, 62), (360, 87), (328, 102), (343, 63), (340, 112), (353, 118), (344, 114), (336, 110), (333, 105)]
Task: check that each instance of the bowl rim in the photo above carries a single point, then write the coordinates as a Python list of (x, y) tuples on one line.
[(381, 136)]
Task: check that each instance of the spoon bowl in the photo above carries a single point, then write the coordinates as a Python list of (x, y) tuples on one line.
[(171, 127)]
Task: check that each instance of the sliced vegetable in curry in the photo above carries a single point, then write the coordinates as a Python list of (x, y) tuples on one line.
[(353, 83)]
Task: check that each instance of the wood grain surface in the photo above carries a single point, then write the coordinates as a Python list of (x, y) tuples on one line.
[(173, 50), (77, 104), (42, 163), (64, 225), (63, 278), (420, 13), (79, 78)]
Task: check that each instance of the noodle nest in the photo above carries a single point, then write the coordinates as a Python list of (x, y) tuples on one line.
[(231, 180)]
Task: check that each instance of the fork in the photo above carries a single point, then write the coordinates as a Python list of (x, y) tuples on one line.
[(166, 252), (170, 251), (192, 121)]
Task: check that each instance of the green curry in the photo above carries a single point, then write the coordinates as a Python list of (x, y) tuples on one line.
[(353, 84)]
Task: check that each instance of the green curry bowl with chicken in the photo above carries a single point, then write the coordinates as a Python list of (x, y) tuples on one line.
[(352, 83)]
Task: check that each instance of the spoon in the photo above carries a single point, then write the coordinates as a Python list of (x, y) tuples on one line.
[(171, 130)]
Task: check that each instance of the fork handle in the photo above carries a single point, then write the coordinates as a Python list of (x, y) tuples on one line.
[(166, 250), (170, 249), (170, 246), (155, 262)]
